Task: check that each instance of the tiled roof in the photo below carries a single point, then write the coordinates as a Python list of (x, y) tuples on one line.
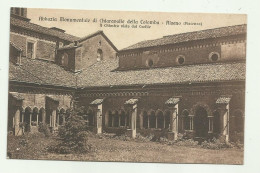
[(223, 100), (103, 74), (191, 36), (16, 95), (40, 29), (41, 72), (15, 46), (172, 101)]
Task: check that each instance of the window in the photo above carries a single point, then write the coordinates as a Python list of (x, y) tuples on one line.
[(99, 55), (180, 59), (65, 59), (149, 63), (214, 56), (30, 50)]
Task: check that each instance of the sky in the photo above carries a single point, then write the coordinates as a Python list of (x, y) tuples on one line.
[(124, 37)]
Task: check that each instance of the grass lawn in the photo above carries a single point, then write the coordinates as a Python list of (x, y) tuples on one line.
[(128, 151)]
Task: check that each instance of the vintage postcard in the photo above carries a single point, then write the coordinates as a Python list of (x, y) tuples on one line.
[(126, 86)]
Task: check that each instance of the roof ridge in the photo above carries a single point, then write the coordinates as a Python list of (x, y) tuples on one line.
[(49, 31), (190, 36), (230, 26)]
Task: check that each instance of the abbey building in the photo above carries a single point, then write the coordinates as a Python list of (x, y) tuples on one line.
[(189, 84)]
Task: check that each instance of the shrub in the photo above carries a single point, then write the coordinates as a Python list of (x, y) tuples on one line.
[(44, 128), (141, 138), (73, 136), (215, 144)]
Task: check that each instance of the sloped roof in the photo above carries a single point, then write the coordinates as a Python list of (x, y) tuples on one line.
[(40, 29), (16, 95), (103, 74), (97, 33), (15, 46), (191, 36), (41, 72)]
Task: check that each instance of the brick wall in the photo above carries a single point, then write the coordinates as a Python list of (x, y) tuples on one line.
[(90, 48), (43, 49), (229, 49)]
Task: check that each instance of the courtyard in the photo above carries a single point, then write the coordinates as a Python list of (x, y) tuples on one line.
[(116, 149)]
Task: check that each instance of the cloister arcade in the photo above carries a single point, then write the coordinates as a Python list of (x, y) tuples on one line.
[(199, 120)]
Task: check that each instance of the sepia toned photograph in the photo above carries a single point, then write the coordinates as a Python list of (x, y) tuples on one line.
[(124, 86)]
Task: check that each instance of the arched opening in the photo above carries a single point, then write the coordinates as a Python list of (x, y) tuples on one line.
[(160, 120), (167, 117), (35, 113), (41, 115), (99, 55), (128, 118), (152, 120), (145, 120), (65, 60), (201, 122), (185, 120), (122, 118), (216, 122), (110, 119), (27, 114), (116, 119)]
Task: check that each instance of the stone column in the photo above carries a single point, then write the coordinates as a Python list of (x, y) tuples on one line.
[(225, 121), (30, 120), (164, 122), (133, 121), (119, 119), (98, 119), (43, 116), (53, 118), (37, 119), (141, 122), (156, 122), (174, 123), (17, 130)]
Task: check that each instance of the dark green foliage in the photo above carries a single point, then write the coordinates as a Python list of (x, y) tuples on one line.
[(73, 135)]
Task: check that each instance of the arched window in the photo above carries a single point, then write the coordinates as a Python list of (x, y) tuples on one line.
[(180, 59), (149, 63), (214, 56), (99, 55), (65, 60)]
